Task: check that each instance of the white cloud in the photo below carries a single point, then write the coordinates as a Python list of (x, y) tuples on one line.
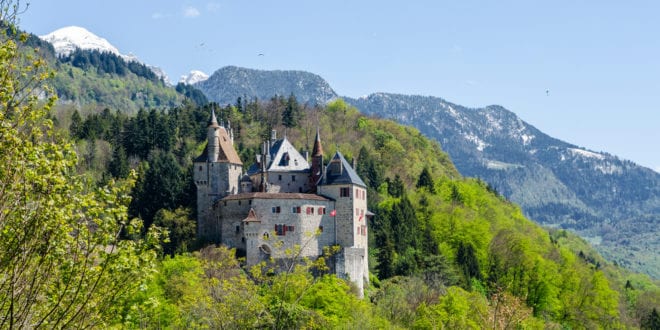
[(191, 12), (212, 7)]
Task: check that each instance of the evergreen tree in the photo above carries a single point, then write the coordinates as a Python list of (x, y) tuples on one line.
[(652, 321), (395, 187), (76, 127), (118, 166), (159, 187), (467, 260), (426, 181), (292, 112)]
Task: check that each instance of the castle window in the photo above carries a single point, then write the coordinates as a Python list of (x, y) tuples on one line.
[(293, 178), (276, 209), (290, 228), (280, 230), (321, 210), (200, 168), (250, 202), (299, 189), (345, 192), (310, 210), (238, 229), (279, 177), (357, 211), (295, 209), (239, 202)]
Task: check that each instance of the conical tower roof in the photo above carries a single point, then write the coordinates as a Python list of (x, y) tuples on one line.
[(213, 121), (317, 150)]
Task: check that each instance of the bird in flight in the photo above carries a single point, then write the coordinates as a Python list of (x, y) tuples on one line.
[(261, 54)]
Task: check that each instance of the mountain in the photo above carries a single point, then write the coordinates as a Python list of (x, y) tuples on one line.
[(230, 82), (67, 39), (193, 77), (613, 203)]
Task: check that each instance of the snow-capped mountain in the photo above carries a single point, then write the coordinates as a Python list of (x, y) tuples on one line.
[(193, 77), (70, 38), (67, 39)]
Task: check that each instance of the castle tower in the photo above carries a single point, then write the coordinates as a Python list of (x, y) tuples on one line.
[(341, 183), (317, 162), (217, 172)]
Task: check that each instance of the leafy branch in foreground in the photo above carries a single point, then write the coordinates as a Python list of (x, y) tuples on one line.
[(62, 262)]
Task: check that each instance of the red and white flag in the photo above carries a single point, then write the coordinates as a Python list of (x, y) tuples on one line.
[(333, 213)]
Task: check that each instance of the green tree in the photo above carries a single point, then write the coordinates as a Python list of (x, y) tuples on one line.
[(652, 321), (160, 186), (468, 263), (62, 264), (75, 129), (425, 180), (181, 229), (118, 166), (292, 113)]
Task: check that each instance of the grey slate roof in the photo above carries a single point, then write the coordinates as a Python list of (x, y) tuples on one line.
[(339, 171), (283, 158)]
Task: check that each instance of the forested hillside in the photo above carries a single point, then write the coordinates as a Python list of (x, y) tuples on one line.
[(91, 80), (446, 251), (610, 201)]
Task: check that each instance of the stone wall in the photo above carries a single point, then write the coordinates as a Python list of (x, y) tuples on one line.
[(306, 233)]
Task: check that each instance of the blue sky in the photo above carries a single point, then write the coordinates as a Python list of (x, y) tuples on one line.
[(598, 60)]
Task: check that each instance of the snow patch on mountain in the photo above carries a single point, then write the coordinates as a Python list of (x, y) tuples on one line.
[(67, 39), (585, 153), (70, 38), (481, 145), (193, 77)]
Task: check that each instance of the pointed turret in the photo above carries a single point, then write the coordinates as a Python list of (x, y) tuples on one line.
[(317, 150), (213, 145), (317, 162), (213, 121)]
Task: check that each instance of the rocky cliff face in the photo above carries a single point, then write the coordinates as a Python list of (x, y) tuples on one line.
[(228, 83)]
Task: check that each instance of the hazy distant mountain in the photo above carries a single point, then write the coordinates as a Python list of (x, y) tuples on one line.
[(613, 202), (227, 84), (67, 39)]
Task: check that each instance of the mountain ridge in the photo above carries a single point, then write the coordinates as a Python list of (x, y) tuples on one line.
[(614, 203), (228, 83)]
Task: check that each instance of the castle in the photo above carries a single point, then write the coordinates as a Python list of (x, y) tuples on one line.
[(281, 202)]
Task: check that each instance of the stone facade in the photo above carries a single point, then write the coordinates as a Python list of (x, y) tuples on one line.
[(282, 203)]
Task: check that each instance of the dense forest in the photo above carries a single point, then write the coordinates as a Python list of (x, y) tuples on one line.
[(97, 228)]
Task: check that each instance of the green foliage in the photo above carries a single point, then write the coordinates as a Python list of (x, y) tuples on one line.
[(62, 263), (425, 180), (181, 229)]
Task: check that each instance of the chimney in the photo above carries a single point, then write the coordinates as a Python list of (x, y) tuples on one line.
[(273, 136), (354, 164), (306, 155)]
